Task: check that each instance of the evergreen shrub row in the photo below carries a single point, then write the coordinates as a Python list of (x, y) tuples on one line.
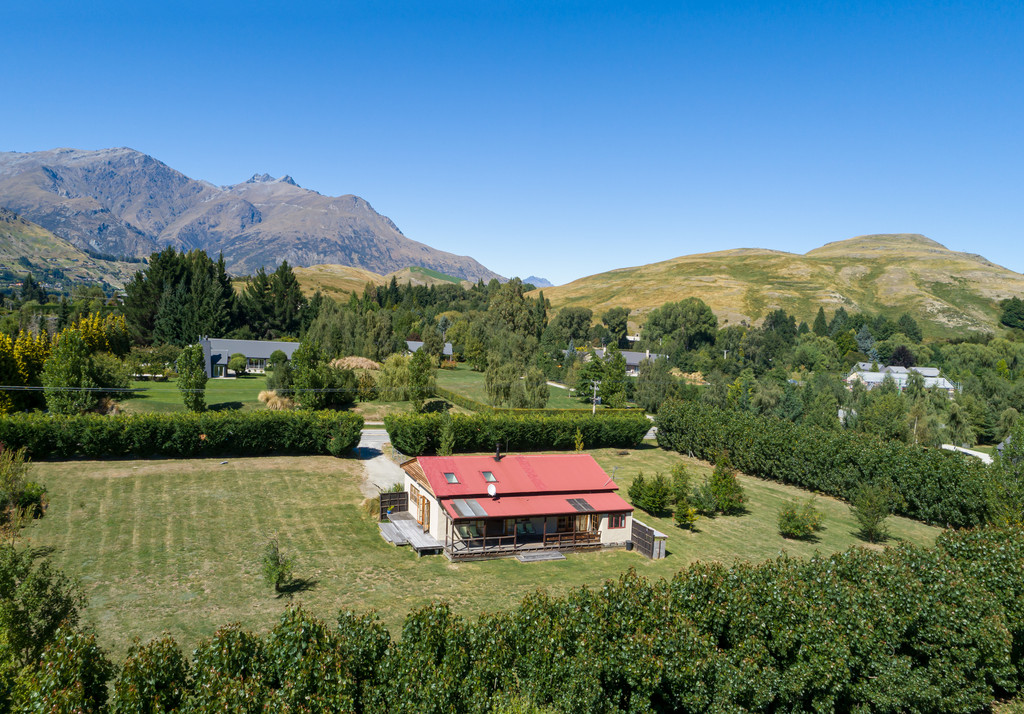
[(928, 484), (904, 630), (473, 405), (418, 434), (184, 434)]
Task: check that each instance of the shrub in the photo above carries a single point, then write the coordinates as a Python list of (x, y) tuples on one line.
[(154, 678), (872, 505), (704, 501), (799, 520), (275, 565), (685, 511), (729, 496)]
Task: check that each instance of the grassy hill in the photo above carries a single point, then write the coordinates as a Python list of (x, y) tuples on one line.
[(337, 279), (946, 291), (26, 247)]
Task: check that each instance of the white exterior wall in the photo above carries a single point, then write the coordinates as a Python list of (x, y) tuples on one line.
[(438, 517), (615, 536)]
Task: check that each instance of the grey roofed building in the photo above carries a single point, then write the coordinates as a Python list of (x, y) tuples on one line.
[(900, 375), (633, 359), (217, 352), (414, 346)]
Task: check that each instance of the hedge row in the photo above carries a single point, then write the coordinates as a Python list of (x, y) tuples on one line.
[(182, 434), (417, 434), (930, 485), (475, 406), (905, 630)]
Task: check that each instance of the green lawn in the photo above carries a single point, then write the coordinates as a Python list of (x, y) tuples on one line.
[(173, 546), (237, 393), (472, 384)]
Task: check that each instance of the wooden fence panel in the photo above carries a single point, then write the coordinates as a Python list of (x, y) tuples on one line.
[(395, 502)]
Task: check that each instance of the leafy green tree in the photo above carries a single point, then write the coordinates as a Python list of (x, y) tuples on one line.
[(367, 387), (654, 384), (573, 322), (530, 392), (1012, 314), (238, 363), (316, 384), (885, 416), (191, 369), (499, 380), (393, 381), (508, 307), (421, 379), (71, 676), (153, 678), (613, 381), (617, 321), (432, 344), (35, 599), (67, 376), (281, 377), (637, 491), (688, 324)]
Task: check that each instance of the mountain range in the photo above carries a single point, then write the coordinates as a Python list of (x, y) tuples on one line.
[(122, 202), (948, 292)]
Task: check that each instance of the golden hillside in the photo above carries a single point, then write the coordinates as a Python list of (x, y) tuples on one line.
[(946, 291), (334, 280)]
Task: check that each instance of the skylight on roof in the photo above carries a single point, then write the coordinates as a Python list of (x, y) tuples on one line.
[(450, 477), (489, 477)]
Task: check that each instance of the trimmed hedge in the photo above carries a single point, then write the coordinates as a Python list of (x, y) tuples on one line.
[(418, 434), (475, 406), (931, 485), (183, 434), (904, 630)]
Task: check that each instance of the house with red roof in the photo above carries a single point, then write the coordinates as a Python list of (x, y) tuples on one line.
[(497, 506)]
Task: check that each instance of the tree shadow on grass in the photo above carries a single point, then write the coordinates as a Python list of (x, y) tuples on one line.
[(225, 407), (295, 585)]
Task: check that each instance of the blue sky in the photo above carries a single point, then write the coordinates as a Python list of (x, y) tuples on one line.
[(560, 139)]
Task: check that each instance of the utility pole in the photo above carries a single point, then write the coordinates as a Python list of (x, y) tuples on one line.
[(596, 383)]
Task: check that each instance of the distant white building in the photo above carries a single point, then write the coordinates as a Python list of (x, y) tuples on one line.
[(871, 375)]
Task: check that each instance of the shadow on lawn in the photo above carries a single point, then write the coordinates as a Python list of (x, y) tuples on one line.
[(296, 585), (225, 407)]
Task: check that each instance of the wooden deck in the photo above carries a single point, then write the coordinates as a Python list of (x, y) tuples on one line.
[(404, 530)]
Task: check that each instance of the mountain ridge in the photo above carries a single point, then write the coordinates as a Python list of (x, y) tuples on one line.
[(125, 202)]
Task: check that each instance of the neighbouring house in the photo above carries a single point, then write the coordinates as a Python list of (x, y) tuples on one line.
[(633, 359), (413, 346), (871, 375), (473, 506), (217, 352)]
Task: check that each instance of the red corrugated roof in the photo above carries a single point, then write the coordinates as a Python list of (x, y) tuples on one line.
[(515, 475), (523, 506)]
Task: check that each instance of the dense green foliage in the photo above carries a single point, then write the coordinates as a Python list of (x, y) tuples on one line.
[(192, 378), (929, 485), (417, 434), (799, 520), (907, 629), (182, 434)]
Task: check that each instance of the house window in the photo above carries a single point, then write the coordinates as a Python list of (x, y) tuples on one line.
[(489, 477), (617, 520), (450, 477)]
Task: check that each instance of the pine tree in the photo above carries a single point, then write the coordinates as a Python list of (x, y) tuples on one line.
[(820, 327)]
